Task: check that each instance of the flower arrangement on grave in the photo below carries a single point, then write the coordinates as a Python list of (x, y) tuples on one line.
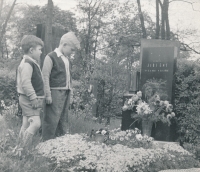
[(153, 108)]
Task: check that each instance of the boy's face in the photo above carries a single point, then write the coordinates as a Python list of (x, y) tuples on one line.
[(36, 52), (67, 49)]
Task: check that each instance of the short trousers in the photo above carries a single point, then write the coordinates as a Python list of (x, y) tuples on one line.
[(26, 106)]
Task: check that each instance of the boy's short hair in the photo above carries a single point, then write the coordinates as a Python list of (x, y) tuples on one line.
[(70, 39), (29, 41)]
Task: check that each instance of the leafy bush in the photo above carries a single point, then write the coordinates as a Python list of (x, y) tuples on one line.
[(187, 91), (8, 91)]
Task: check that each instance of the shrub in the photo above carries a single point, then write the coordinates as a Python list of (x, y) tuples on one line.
[(187, 91), (8, 91)]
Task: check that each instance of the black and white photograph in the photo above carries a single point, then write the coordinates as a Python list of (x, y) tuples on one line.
[(99, 85)]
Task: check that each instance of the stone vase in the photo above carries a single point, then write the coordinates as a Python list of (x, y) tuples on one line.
[(147, 127)]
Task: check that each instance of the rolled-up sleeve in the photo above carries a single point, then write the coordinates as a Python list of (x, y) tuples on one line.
[(46, 71), (26, 74)]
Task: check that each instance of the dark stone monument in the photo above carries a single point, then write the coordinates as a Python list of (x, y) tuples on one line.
[(157, 59)]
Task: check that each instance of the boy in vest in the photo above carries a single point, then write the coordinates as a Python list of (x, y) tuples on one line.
[(57, 81), (30, 88)]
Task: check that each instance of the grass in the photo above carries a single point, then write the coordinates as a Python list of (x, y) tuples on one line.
[(10, 125), (81, 125)]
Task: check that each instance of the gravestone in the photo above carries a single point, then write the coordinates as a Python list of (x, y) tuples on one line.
[(157, 59)]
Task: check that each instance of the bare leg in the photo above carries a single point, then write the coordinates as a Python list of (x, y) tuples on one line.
[(24, 126), (34, 125)]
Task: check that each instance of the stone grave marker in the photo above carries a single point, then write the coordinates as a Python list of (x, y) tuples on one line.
[(157, 59)]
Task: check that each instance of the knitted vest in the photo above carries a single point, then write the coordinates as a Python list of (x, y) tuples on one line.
[(36, 79), (58, 72)]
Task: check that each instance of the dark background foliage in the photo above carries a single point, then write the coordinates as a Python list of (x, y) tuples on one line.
[(187, 100)]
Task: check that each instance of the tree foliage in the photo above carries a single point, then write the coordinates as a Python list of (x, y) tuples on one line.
[(187, 100)]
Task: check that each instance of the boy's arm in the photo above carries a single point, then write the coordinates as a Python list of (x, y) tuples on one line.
[(26, 74), (46, 71)]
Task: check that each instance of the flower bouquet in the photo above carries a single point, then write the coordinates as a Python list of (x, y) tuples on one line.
[(152, 112), (153, 108)]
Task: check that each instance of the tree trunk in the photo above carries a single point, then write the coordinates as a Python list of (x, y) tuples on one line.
[(167, 20), (48, 30), (6, 48), (1, 7), (157, 20), (144, 34), (3, 31), (165, 29), (162, 20)]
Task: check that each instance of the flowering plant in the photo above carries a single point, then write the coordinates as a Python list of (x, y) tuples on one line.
[(132, 102), (100, 135), (80, 155), (130, 138)]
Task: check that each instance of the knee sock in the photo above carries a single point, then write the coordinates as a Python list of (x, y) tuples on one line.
[(21, 136), (27, 140)]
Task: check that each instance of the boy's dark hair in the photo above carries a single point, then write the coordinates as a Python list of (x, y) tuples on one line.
[(29, 41)]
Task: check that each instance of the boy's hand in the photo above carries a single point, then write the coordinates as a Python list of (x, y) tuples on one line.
[(48, 100), (34, 103)]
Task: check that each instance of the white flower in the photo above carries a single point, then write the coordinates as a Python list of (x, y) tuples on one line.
[(121, 139), (138, 136), (112, 137), (173, 114), (166, 103), (129, 101), (103, 132), (139, 94), (169, 116), (125, 107), (129, 134)]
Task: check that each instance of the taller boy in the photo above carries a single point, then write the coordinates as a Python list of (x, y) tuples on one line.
[(57, 82)]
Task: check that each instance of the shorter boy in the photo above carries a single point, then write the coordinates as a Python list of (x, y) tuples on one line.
[(30, 88)]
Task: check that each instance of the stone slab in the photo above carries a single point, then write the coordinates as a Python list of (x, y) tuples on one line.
[(183, 170), (161, 144)]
